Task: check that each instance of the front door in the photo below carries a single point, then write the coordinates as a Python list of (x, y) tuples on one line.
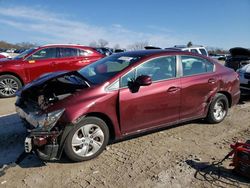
[(40, 63), (152, 105)]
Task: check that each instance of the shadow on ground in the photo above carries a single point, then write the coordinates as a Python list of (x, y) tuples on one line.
[(12, 135), (217, 175)]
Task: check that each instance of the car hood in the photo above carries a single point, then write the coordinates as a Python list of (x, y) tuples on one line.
[(5, 61), (50, 76), (52, 87), (238, 51)]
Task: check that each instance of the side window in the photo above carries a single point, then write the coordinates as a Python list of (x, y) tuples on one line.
[(193, 65), (67, 52), (203, 52), (43, 54), (158, 69), (129, 77), (194, 51)]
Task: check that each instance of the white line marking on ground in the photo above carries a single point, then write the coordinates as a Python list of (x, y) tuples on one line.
[(7, 114)]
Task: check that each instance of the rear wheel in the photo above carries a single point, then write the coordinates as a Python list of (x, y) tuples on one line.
[(218, 109), (9, 85), (87, 139)]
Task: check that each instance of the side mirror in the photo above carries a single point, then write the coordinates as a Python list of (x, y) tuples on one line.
[(143, 80)]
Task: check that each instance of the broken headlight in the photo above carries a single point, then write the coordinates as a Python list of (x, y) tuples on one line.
[(47, 121)]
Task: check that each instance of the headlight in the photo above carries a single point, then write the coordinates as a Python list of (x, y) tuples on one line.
[(47, 121)]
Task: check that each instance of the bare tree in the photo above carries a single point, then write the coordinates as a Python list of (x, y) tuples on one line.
[(93, 44), (102, 43), (117, 46), (138, 45), (27, 45)]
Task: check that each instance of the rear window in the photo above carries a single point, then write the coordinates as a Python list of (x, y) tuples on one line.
[(203, 52), (67, 52)]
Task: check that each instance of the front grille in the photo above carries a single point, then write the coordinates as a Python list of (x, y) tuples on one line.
[(247, 75)]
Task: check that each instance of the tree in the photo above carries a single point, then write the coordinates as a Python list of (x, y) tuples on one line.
[(117, 46), (27, 45), (189, 44), (138, 45), (102, 43), (93, 44)]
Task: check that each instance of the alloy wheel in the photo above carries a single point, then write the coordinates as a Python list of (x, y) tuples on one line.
[(8, 87), (87, 140), (219, 110)]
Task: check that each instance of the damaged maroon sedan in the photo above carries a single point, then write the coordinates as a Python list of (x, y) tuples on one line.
[(128, 93)]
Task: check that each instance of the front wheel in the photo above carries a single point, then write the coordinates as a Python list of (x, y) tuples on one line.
[(218, 109), (87, 139)]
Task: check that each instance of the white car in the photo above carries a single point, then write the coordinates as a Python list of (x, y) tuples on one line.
[(5, 54), (244, 75), (194, 49)]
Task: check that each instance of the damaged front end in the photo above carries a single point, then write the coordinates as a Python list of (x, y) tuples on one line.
[(34, 103)]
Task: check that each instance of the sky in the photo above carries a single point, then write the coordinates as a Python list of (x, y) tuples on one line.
[(164, 23)]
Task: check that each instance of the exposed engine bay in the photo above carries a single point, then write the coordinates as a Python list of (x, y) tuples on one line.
[(45, 132), (48, 92)]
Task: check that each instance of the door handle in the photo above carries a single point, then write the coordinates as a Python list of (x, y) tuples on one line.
[(173, 89), (211, 80)]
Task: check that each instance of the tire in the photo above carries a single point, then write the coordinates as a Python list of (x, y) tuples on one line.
[(9, 85), (218, 109), (87, 139)]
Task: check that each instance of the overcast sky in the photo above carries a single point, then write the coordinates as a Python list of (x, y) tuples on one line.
[(216, 23)]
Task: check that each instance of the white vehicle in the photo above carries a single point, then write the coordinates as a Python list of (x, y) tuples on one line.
[(194, 49), (244, 75), (5, 54)]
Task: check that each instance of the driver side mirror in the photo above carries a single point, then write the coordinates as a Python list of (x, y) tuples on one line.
[(143, 80)]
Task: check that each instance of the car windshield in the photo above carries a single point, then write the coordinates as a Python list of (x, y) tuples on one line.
[(26, 52), (104, 69)]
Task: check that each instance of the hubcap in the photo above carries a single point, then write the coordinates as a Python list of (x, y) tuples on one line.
[(219, 110), (87, 140), (8, 87)]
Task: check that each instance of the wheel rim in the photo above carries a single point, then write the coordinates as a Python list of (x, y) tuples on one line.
[(87, 140), (8, 87), (219, 110)]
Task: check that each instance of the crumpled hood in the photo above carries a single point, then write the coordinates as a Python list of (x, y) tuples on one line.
[(42, 79), (238, 51)]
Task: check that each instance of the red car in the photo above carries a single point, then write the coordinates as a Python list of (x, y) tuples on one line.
[(127, 93), (16, 72)]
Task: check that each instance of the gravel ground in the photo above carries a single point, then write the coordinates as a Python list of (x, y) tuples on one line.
[(167, 158)]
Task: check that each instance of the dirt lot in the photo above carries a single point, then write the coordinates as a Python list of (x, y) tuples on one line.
[(167, 158)]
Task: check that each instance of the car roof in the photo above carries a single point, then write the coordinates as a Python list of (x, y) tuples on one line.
[(148, 52), (64, 45)]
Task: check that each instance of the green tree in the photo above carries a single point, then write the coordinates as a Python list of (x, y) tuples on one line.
[(189, 44)]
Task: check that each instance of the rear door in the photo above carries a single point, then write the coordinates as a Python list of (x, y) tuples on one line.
[(67, 59), (40, 62), (198, 83), (151, 105)]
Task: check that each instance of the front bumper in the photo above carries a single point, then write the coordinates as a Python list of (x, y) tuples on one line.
[(44, 141)]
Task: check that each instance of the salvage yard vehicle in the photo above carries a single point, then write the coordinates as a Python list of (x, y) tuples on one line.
[(32, 63), (244, 75), (239, 57), (124, 94)]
